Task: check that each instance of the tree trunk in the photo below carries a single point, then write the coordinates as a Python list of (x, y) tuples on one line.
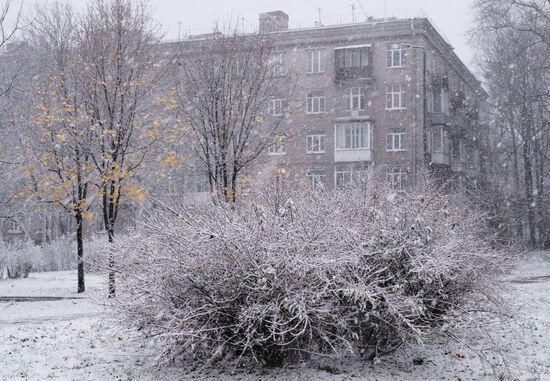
[(528, 175), (112, 288), (80, 252)]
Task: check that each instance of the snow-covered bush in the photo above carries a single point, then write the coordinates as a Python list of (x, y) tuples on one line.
[(57, 255), (362, 270), (96, 249), (16, 259)]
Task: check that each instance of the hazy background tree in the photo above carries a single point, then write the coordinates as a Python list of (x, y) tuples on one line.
[(118, 47), (513, 39), (59, 134), (10, 160), (225, 85)]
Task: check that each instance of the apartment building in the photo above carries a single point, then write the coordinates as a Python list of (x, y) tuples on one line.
[(384, 97)]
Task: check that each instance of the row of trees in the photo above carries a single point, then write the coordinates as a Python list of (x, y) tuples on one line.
[(98, 104), (513, 40)]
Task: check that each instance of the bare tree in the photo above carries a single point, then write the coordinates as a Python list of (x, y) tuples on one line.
[(514, 42), (10, 22), (118, 49), (9, 25), (225, 85), (61, 173)]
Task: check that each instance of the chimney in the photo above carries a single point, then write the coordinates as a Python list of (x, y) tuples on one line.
[(273, 22)]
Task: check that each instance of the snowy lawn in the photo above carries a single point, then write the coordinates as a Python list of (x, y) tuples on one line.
[(73, 339)]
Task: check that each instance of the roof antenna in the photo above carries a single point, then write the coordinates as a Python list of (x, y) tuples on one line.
[(363, 9), (319, 10), (353, 13), (179, 30)]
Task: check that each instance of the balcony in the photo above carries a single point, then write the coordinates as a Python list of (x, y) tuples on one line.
[(353, 62), (440, 158), (352, 155), (440, 119), (458, 100), (458, 166), (351, 73)]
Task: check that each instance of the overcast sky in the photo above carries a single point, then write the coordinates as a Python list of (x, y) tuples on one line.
[(453, 17)]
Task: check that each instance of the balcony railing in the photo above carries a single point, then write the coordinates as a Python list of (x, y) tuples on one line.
[(441, 158), (352, 155), (350, 73), (440, 119), (458, 165)]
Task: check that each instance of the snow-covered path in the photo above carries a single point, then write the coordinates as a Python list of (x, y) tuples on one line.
[(71, 339), (59, 340)]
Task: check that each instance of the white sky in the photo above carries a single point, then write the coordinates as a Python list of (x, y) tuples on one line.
[(453, 17)]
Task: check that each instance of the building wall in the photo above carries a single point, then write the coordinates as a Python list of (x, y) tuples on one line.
[(442, 65), (443, 69)]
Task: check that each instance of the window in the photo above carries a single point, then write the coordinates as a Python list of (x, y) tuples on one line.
[(278, 65), (352, 136), (345, 174), (395, 56), (237, 69), (352, 57), (316, 102), (14, 227), (316, 179), (277, 107), (354, 98), (316, 143), (395, 97), (278, 146), (315, 61), (397, 178), (396, 140), (458, 149), (440, 100), (439, 143)]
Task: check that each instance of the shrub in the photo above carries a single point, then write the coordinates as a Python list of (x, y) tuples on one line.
[(16, 260), (20, 258), (362, 270)]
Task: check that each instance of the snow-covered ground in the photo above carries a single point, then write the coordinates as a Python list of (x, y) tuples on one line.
[(72, 339)]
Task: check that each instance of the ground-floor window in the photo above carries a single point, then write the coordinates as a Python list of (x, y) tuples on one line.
[(397, 178), (316, 179), (347, 173)]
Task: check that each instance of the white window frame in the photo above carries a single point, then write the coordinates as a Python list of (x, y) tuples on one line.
[(439, 140), (348, 57), (396, 96), (316, 179), (316, 102), (355, 98), (440, 97), (396, 140), (315, 143), (349, 172), (315, 61), (352, 136), (277, 107), (395, 56), (397, 177), (278, 147), (461, 150), (278, 68), (346, 175), (14, 228)]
